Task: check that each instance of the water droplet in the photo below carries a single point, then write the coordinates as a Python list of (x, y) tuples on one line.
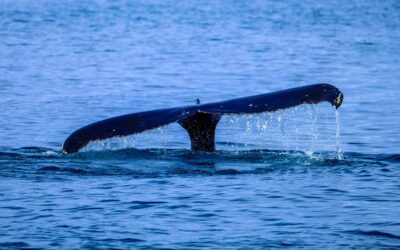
[(337, 137)]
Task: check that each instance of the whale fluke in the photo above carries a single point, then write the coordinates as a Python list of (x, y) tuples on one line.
[(201, 120)]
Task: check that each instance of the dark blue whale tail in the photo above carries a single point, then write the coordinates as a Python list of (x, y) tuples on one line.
[(200, 121)]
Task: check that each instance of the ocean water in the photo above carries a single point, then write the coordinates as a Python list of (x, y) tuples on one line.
[(308, 177)]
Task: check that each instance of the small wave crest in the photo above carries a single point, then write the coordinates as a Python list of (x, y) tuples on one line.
[(374, 233)]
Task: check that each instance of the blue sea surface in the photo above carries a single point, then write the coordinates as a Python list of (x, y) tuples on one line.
[(308, 177)]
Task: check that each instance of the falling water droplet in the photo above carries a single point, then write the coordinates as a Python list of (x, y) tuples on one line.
[(314, 129), (279, 118), (337, 137)]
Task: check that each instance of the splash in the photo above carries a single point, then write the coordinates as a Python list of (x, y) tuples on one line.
[(314, 129), (171, 136), (308, 128), (337, 137), (111, 144)]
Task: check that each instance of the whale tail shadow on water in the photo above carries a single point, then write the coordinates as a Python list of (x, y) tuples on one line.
[(200, 121)]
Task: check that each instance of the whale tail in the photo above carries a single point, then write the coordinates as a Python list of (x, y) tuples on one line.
[(200, 120)]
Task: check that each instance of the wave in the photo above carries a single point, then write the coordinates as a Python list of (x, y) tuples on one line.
[(161, 162), (374, 233)]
